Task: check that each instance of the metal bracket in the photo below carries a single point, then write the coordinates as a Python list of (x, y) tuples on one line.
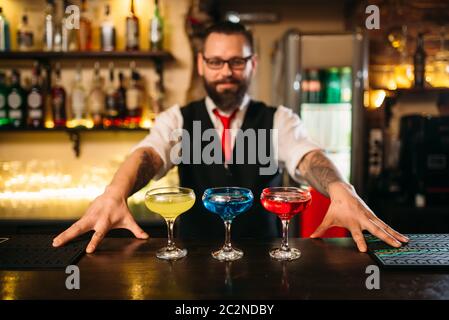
[(75, 137)]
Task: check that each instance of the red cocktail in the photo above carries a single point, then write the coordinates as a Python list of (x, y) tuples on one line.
[(285, 202)]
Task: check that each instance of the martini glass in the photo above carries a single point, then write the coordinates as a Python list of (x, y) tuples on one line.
[(170, 202), (228, 202), (285, 202)]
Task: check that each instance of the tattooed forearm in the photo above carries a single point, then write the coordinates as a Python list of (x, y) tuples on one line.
[(146, 170), (319, 171)]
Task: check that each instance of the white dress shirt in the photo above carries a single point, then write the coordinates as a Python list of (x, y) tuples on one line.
[(292, 143)]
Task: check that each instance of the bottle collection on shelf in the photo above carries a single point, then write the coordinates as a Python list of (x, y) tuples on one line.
[(327, 86), (58, 34), (103, 105)]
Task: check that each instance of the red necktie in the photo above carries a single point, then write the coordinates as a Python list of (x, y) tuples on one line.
[(226, 135)]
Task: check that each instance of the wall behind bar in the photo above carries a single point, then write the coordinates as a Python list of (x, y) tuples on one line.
[(177, 74), (106, 150), (101, 152)]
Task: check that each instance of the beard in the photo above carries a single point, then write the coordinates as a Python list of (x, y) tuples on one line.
[(229, 98)]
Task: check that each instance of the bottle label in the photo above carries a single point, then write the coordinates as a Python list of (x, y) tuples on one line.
[(305, 85), (25, 39), (346, 95), (132, 99), (2, 101), (111, 110), (35, 114), (156, 31), (14, 100), (96, 102), (314, 86), (110, 102), (58, 102), (34, 100), (15, 114), (78, 103), (132, 33), (107, 38)]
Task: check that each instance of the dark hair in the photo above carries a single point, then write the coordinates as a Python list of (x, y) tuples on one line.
[(229, 28)]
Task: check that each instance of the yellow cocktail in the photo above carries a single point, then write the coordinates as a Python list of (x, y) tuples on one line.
[(170, 202), (169, 205)]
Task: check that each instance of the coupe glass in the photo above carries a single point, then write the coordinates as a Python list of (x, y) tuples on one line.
[(228, 202), (285, 202), (170, 202)]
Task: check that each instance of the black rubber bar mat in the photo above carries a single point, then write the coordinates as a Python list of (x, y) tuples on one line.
[(423, 251), (35, 252)]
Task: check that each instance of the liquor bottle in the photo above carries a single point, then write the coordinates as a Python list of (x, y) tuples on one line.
[(79, 109), (5, 44), (134, 100), (156, 29), (4, 120), (132, 30), (96, 98), (346, 84), (85, 31), (112, 112), (25, 36), (35, 100), (57, 40), (58, 101), (333, 89), (107, 32), (120, 100), (315, 87), (419, 61), (69, 35), (49, 26), (16, 102), (57, 25), (66, 35)]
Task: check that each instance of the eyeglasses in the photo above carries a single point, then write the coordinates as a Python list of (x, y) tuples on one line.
[(234, 63)]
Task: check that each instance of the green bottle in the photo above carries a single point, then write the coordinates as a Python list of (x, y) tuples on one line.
[(314, 88), (4, 120), (5, 44), (156, 29), (16, 102), (333, 88)]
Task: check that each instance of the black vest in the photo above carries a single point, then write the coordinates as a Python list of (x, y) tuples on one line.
[(200, 223)]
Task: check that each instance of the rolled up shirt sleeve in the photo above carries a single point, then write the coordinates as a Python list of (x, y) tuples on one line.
[(293, 140), (159, 137)]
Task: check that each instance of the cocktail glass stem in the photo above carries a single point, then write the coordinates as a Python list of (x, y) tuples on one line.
[(227, 245), (171, 243), (284, 245)]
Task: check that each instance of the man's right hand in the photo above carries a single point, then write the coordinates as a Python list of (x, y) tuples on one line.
[(106, 212)]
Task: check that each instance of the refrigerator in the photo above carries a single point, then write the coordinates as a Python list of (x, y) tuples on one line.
[(339, 127)]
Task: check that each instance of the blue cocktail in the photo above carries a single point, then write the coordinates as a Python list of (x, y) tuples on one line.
[(228, 202)]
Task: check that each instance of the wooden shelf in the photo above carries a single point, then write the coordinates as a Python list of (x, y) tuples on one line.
[(31, 55), (77, 129), (73, 133), (414, 90)]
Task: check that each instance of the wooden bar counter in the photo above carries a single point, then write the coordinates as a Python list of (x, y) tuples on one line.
[(125, 268)]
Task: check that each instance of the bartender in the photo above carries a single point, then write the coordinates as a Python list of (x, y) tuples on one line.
[(226, 64)]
